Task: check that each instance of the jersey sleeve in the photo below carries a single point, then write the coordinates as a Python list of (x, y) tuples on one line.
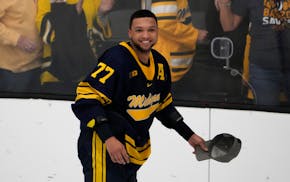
[(171, 118), (174, 25), (95, 93), (167, 113)]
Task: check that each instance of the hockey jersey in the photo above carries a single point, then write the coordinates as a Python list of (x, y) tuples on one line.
[(127, 92), (177, 36)]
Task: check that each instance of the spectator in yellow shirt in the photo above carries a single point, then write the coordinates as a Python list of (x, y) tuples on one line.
[(20, 46), (177, 36)]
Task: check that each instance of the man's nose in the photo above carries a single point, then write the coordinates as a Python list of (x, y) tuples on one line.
[(145, 34)]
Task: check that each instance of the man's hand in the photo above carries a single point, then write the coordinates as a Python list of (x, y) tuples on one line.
[(79, 6), (26, 44), (117, 151), (202, 35), (105, 7), (219, 3), (196, 140)]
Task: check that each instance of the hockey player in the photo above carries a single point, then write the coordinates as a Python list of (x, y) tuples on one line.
[(118, 101)]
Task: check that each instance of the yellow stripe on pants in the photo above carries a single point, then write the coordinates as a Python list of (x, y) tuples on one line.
[(98, 159)]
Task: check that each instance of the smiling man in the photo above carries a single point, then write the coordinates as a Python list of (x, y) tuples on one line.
[(118, 101)]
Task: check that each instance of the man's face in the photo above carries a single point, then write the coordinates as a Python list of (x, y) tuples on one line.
[(143, 33)]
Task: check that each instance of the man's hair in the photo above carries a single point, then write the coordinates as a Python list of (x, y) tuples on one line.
[(143, 13)]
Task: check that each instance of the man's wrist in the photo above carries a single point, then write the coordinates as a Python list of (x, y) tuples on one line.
[(183, 130), (104, 131)]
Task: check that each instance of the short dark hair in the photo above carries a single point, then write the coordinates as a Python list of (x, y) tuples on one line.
[(142, 14)]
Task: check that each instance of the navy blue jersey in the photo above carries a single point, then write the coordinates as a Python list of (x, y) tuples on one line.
[(134, 92)]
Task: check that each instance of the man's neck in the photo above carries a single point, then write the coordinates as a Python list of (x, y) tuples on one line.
[(142, 56)]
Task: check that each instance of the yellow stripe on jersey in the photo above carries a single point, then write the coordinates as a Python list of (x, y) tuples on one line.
[(167, 8), (86, 91), (181, 64), (168, 100), (149, 71), (98, 159), (179, 72), (138, 155), (142, 114), (181, 61)]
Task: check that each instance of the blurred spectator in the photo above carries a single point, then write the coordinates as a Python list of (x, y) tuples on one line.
[(20, 47), (250, 92), (238, 36), (269, 67), (70, 30), (233, 83), (177, 36)]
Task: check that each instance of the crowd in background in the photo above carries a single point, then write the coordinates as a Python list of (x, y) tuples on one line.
[(48, 46)]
